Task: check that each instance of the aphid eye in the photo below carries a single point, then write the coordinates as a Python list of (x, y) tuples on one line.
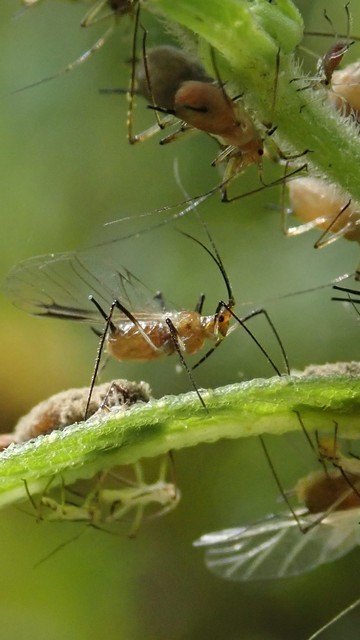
[(260, 152), (221, 318)]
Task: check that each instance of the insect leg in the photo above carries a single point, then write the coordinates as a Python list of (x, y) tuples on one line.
[(176, 342)]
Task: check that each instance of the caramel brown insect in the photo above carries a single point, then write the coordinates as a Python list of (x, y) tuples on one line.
[(74, 286)]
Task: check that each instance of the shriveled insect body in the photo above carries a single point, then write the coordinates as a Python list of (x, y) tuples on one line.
[(68, 407), (322, 206), (275, 547), (111, 498), (111, 505), (106, 506)]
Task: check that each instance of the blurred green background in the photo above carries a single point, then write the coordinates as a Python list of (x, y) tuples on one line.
[(66, 169)]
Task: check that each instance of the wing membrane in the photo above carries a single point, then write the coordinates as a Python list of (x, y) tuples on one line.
[(276, 548), (59, 285)]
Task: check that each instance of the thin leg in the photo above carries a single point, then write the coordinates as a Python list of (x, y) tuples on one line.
[(108, 326), (176, 342), (76, 63)]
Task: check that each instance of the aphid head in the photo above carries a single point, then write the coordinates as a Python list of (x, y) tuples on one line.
[(331, 60), (222, 321), (217, 326)]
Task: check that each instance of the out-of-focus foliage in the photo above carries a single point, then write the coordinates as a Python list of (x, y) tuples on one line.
[(66, 169)]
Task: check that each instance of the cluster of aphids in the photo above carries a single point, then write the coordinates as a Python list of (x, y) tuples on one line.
[(315, 202), (133, 325)]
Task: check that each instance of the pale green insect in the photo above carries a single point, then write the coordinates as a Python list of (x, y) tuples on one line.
[(112, 498)]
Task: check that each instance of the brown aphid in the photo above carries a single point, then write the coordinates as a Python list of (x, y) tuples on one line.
[(205, 106), (328, 63), (276, 547), (68, 407), (208, 108), (177, 85), (321, 491), (163, 70), (138, 327), (157, 78)]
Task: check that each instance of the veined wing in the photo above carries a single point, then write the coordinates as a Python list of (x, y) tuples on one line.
[(276, 548), (59, 285)]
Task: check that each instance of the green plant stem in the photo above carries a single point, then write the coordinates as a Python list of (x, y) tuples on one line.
[(247, 37), (175, 422)]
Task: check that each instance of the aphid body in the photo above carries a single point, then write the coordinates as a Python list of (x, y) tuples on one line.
[(208, 108), (345, 90), (328, 64), (176, 83), (109, 505), (321, 205), (139, 329), (127, 341)]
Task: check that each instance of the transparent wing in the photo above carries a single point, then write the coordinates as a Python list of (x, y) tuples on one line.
[(276, 548), (59, 285)]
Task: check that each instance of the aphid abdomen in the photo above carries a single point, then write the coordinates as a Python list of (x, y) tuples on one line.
[(168, 68), (345, 90), (313, 200), (319, 491), (129, 343), (190, 331)]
